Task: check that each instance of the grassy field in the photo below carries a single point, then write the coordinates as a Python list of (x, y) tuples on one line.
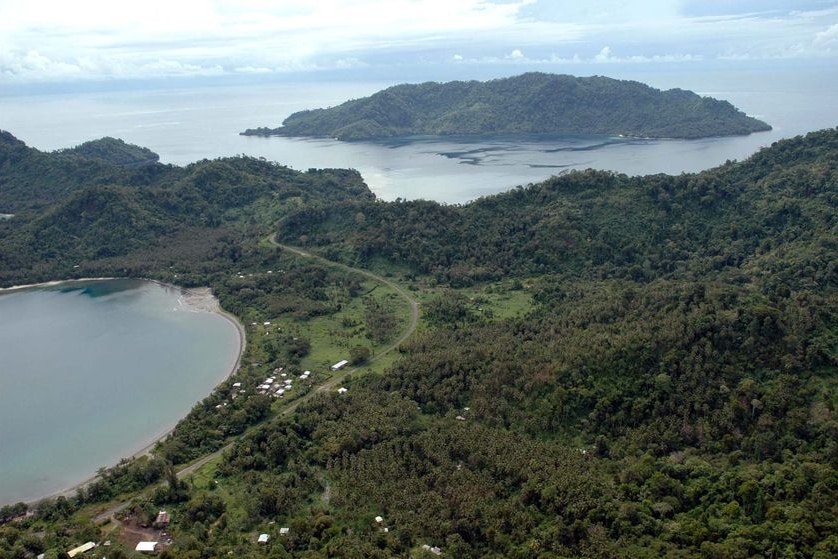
[(331, 337), (498, 300)]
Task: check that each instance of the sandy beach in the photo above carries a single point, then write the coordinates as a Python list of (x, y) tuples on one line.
[(196, 300)]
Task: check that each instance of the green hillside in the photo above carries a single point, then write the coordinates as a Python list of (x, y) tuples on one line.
[(532, 103), (114, 151), (606, 366), (72, 211)]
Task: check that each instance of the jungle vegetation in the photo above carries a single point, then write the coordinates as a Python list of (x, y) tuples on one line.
[(669, 390), (532, 103)]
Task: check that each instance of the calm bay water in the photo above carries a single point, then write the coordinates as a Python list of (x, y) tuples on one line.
[(92, 372), (186, 125)]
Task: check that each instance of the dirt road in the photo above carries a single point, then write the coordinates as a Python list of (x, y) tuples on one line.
[(330, 384)]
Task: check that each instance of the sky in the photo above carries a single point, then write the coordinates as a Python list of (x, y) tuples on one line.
[(46, 41)]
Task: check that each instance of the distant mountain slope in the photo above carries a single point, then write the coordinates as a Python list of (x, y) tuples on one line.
[(31, 179), (532, 103), (76, 205), (114, 151), (603, 224)]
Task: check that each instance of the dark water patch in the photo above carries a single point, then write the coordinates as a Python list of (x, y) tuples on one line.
[(95, 288), (590, 147)]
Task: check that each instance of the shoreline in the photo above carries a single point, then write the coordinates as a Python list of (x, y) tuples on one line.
[(200, 299), (53, 283)]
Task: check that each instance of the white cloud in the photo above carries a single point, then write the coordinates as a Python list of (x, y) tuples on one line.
[(175, 68), (34, 63), (239, 35), (52, 39), (252, 70), (827, 38), (348, 63), (604, 55)]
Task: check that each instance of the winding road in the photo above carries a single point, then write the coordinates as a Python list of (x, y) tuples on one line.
[(328, 385)]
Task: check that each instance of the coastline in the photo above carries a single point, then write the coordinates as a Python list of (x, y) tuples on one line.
[(197, 300), (53, 283)]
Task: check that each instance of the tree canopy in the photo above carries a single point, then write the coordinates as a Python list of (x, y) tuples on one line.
[(532, 103)]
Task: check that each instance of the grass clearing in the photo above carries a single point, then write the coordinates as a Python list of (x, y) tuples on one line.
[(331, 337), (500, 300), (204, 477)]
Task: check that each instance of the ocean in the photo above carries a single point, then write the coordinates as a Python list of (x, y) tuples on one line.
[(92, 372)]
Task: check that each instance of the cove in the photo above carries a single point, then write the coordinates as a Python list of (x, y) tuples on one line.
[(95, 371)]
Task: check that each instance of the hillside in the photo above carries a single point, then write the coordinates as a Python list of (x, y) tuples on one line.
[(669, 391), (114, 151), (607, 367), (532, 103), (74, 211), (596, 223), (31, 179)]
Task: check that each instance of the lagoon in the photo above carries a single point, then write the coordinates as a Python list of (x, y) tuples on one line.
[(93, 372)]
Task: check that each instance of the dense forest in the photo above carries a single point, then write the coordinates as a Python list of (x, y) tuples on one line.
[(775, 206), (532, 103), (667, 390), (74, 214), (113, 150)]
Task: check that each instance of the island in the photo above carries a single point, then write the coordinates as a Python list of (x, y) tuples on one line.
[(532, 103)]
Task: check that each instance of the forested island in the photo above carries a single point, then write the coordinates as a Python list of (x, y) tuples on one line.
[(532, 103), (608, 366)]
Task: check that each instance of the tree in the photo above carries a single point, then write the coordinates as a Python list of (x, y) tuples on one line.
[(359, 354)]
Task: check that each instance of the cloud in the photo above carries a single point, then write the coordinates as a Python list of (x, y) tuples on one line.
[(347, 63), (828, 38), (101, 39), (240, 35), (34, 63), (604, 55), (176, 68), (252, 70)]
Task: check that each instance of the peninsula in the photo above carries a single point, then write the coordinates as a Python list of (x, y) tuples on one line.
[(532, 103)]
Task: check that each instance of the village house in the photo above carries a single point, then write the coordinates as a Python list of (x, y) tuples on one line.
[(84, 548), (146, 547), (162, 519)]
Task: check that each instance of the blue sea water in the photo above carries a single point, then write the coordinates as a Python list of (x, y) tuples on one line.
[(92, 372)]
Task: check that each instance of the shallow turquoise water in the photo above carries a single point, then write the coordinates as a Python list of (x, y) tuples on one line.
[(93, 372)]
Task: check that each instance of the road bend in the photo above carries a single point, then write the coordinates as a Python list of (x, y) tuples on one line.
[(330, 384)]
